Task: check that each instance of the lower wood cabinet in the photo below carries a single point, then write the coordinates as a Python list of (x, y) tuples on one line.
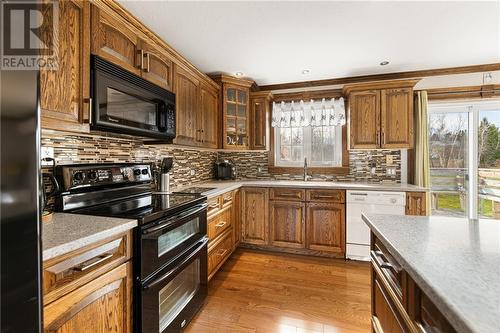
[(90, 289), (255, 226), (398, 303), (310, 222), (287, 224), (416, 203), (326, 227)]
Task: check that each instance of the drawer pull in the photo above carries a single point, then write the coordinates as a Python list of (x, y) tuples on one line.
[(319, 196), (220, 224), (287, 195), (214, 205), (387, 265), (92, 262), (221, 252)]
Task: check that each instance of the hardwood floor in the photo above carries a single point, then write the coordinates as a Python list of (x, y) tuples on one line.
[(269, 292)]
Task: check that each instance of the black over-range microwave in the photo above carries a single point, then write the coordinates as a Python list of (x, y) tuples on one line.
[(126, 103)]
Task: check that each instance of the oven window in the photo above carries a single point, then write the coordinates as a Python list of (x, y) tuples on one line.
[(174, 237), (177, 293), (131, 108)]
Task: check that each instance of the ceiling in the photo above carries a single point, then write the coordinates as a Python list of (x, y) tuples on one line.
[(273, 42)]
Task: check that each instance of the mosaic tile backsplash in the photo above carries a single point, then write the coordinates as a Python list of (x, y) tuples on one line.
[(193, 165)]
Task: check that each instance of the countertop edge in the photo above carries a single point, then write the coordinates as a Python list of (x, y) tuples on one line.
[(448, 310), (58, 250)]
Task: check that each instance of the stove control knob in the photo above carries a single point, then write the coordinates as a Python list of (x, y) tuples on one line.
[(144, 171), (78, 176), (92, 175), (137, 172)]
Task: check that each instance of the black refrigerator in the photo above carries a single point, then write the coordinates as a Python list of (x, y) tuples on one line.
[(20, 228)]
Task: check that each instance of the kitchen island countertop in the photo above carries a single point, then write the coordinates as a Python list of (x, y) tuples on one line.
[(455, 261)]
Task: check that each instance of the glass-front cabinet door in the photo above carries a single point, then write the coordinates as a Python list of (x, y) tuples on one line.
[(236, 100)]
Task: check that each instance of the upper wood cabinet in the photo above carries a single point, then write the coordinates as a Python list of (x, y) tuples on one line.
[(115, 40), (235, 111), (287, 224), (381, 114), (64, 92), (197, 110), (156, 65), (260, 110), (326, 227), (255, 216), (187, 104)]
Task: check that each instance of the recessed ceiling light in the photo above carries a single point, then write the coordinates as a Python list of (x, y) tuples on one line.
[(305, 71), (238, 74), (384, 63)]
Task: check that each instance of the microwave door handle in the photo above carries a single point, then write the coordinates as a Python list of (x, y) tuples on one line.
[(161, 118), (195, 211), (203, 242)]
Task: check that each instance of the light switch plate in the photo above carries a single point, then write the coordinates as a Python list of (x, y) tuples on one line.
[(46, 152)]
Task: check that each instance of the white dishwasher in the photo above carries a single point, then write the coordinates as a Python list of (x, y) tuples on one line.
[(376, 202)]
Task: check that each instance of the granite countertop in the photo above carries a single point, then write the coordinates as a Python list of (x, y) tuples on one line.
[(455, 261), (68, 232), (222, 186)]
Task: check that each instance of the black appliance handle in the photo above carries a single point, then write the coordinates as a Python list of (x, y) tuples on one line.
[(164, 223), (161, 116), (55, 184), (202, 243)]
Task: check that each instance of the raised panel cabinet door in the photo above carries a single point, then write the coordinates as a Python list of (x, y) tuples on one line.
[(64, 91), (416, 203), (255, 216), (325, 227), (115, 41), (364, 119), (187, 101), (397, 118), (384, 318), (100, 306), (208, 121), (286, 220), (258, 124), (156, 65)]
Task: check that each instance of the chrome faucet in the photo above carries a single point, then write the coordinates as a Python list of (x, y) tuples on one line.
[(306, 176)]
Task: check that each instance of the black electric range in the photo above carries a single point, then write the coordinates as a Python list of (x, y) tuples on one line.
[(170, 243)]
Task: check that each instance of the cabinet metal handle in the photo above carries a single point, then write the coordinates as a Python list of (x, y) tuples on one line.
[(147, 54), (221, 252), (220, 224), (383, 138), (387, 265), (89, 102), (92, 262), (141, 55), (214, 205)]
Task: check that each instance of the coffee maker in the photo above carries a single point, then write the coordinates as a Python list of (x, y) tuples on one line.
[(225, 170)]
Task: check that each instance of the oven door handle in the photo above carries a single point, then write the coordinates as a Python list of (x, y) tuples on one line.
[(203, 242), (164, 224)]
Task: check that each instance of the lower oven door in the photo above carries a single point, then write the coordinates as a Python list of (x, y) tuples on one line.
[(166, 239), (172, 297)]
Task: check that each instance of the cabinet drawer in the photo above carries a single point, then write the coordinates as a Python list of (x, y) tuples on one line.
[(214, 205), (219, 224), (389, 267), (287, 194), (218, 253), (226, 199), (385, 316), (430, 319), (326, 196), (63, 274)]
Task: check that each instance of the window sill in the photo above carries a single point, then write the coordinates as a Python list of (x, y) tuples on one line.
[(312, 170)]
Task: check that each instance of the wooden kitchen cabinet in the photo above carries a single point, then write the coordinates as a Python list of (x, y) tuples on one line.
[(187, 104), (156, 65), (115, 40), (102, 305), (237, 217), (326, 227), (416, 203), (381, 114), (255, 227), (65, 91), (287, 224), (235, 111), (208, 117), (260, 110)]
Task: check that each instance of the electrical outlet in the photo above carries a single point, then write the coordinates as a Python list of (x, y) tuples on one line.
[(259, 169), (192, 172), (389, 159), (46, 152)]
